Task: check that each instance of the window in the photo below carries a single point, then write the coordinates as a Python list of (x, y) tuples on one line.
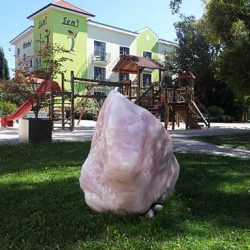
[(18, 51), (24, 57), (146, 80), (124, 51), (38, 62), (99, 73), (124, 77), (31, 63), (100, 50), (147, 54)]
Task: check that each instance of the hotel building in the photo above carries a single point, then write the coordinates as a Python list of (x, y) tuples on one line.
[(94, 47)]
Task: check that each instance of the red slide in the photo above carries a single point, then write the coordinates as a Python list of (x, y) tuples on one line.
[(45, 87)]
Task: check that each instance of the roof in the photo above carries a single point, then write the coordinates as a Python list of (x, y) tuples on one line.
[(187, 75), (21, 35), (129, 32), (110, 27), (147, 28), (61, 4), (168, 42), (132, 64)]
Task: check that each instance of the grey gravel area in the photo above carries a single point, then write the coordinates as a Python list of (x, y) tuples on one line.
[(181, 138)]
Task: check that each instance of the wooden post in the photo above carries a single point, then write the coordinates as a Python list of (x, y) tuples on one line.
[(63, 103), (173, 110), (166, 109), (130, 89), (178, 120), (187, 108), (151, 102), (52, 102), (159, 76), (187, 123), (72, 100), (139, 83)]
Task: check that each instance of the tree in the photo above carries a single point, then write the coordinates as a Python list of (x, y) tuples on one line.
[(228, 24), (175, 6), (52, 58), (197, 55), (24, 84), (4, 70)]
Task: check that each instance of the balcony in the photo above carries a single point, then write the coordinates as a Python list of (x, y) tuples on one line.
[(101, 58)]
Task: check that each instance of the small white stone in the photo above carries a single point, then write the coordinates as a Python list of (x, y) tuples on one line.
[(150, 214), (157, 208)]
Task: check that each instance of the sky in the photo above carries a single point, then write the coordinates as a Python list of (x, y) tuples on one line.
[(130, 14)]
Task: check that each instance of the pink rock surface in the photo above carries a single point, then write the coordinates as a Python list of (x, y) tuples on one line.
[(131, 163)]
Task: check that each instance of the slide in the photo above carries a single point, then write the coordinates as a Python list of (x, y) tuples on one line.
[(45, 87)]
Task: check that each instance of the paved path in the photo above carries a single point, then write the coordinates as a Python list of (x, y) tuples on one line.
[(181, 138), (188, 145)]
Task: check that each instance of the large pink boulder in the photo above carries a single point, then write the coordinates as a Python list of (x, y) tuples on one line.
[(131, 164)]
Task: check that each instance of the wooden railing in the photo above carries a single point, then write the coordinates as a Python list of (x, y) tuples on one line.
[(144, 94), (98, 90), (196, 109)]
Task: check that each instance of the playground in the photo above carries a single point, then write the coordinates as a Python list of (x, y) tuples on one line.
[(171, 104)]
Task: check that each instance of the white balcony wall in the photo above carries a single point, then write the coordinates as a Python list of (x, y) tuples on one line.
[(113, 39)]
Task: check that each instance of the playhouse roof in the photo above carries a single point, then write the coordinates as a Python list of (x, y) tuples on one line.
[(187, 75), (132, 64), (61, 4)]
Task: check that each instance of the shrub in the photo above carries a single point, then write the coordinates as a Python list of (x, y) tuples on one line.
[(217, 114), (215, 111), (7, 107), (226, 118)]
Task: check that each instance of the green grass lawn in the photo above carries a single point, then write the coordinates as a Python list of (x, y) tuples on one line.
[(42, 206), (241, 141)]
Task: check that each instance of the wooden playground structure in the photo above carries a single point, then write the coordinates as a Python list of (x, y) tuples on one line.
[(170, 104)]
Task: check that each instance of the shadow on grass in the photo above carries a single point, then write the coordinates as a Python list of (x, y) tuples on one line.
[(210, 197), (21, 157)]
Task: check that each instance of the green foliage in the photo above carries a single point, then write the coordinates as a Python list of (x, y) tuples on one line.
[(171, 67), (195, 54), (8, 96), (42, 206), (24, 86), (53, 58), (217, 114), (175, 5), (215, 111), (4, 69), (7, 107), (232, 65), (217, 49), (207, 61), (228, 23), (229, 20)]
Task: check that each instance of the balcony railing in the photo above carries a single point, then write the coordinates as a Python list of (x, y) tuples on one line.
[(101, 57)]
